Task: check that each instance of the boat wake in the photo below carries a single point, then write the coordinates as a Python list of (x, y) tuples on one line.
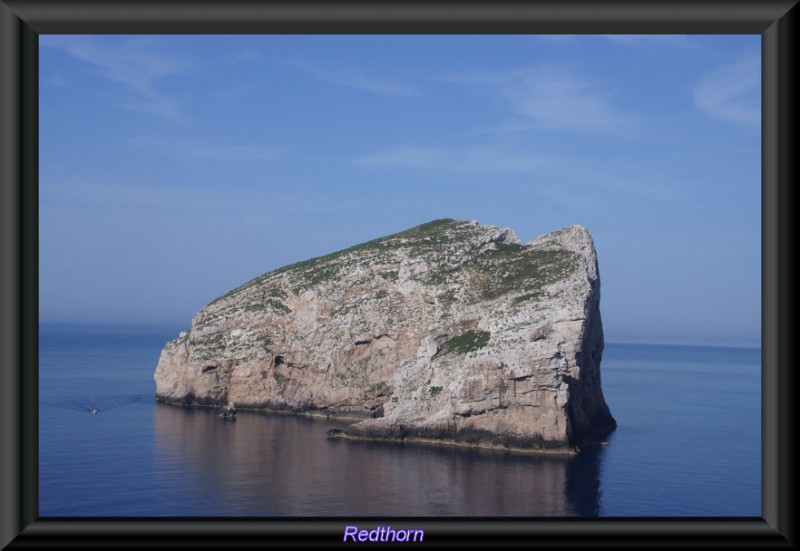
[(95, 406)]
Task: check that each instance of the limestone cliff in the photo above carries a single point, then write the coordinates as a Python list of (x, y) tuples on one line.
[(450, 331)]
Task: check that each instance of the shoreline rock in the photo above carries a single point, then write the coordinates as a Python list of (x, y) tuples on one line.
[(482, 442)]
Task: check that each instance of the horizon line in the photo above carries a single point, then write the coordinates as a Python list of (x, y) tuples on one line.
[(614, 340)]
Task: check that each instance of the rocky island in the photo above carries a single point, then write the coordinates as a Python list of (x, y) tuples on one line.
[(451, 332)]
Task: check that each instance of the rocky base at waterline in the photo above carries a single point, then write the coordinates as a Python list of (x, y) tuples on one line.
[(463, 438), (450, 332)]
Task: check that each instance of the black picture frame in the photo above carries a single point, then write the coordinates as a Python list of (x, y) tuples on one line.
[(21, 21)]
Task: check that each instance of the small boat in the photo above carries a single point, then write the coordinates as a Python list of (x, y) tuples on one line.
[(93, 411)]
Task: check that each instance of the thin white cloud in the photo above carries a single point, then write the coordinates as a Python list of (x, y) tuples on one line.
[(457, 159), (556, 38), (233, 92), (182, 196), (246, 55), (195, 151), (554, 98), (132, 195), (356, 79), (732, 92), (553, 174), (681, 40), (58, 80), (640, 39), (133, 64)]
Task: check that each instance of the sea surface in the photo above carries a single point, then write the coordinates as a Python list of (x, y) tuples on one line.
[(688, 444)]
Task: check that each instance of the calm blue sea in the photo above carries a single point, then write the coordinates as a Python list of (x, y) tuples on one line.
[(688, 444)]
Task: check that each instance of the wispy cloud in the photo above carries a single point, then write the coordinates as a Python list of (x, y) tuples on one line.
[(133, 64), (197, 151), (482, 158), (556, 38), (681, 40), (551, 172), (233, 92), (732, 92), (134, 196), (58, 80), (246, 55), (356, 79), (188, 196), (554, 98)]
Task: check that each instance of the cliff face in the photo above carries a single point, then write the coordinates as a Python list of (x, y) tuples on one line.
[(450, 331)]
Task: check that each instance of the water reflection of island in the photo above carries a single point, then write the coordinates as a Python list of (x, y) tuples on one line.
[(265, 465)]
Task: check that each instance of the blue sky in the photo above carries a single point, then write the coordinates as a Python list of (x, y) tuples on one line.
[(174, 168)]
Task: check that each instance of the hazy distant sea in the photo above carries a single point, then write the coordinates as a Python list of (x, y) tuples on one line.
[(688, 444)]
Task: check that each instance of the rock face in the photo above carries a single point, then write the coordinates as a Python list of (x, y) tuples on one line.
[(448, 332)]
